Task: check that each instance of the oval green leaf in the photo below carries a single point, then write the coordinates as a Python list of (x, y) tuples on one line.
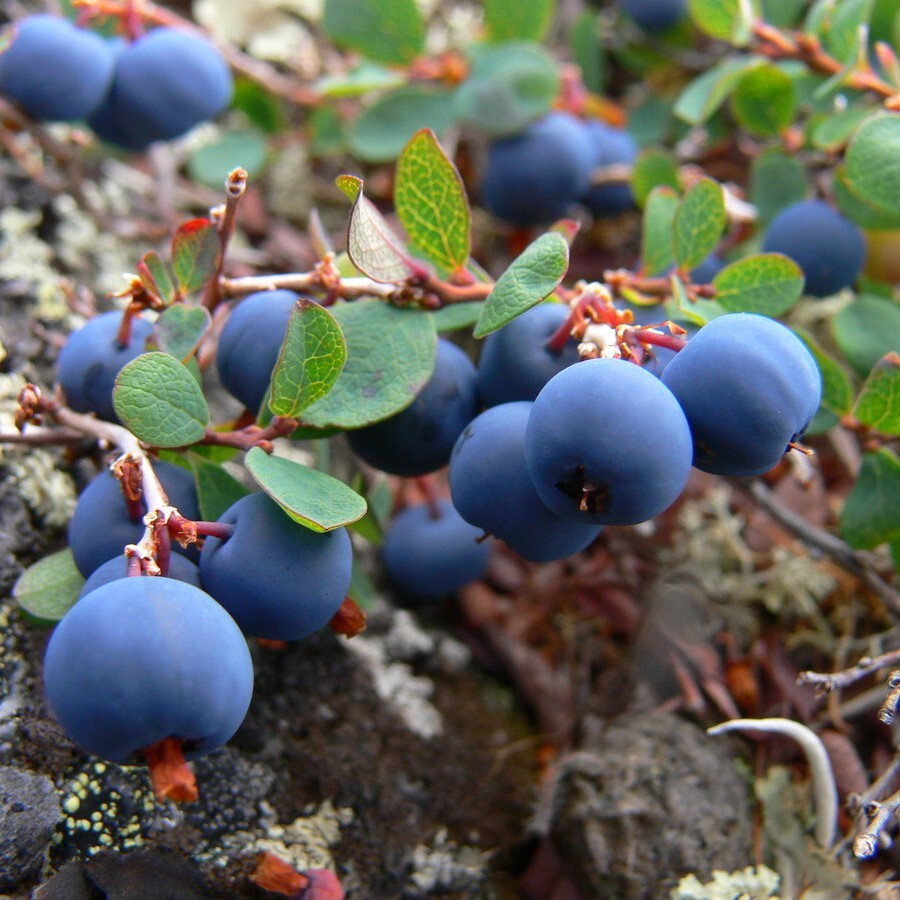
[(717, 18), (457, 315), (872, 163), (386, 31), (312, 355), (217, 490), (878, 405), (657, 252), (49, 588), (776, 181), (866, 330), (510, 20), (155, 277), (195, 254), (211, 163), (158, 400), (700, 221), (390, 357), (766, 283), (765, 101), (180, 328), (431, 202), (706, 93), (837, 390), (531, 277), (869, 517), (380, 133), (313, 499), (653, 168)]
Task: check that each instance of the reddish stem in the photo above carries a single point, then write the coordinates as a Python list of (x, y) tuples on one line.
[(170, 774), (659, 339), (220, 530), (133, 566), (163, 548)]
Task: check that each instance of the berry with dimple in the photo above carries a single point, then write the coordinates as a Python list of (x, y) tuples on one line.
[(250, 343), (164, 84), (491, 488), (516, 362), (607, 443), (101, 525), (420, 438), (92, 357), (55, 71), (140, 660), (749, 388), (535, 177), (278, 579), (826, 245), (430, 551)]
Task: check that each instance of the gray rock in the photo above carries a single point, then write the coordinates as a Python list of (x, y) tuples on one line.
[(29, 813)]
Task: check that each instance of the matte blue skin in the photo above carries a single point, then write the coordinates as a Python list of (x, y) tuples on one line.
[(491, 488), (92, 357), (708, 269), (100, 527), (826, 245), (142, 659), (626, 430), (278, 579), (180, 568), (535, 177), (55, 71), (748, 386), (426, 557), (655, 16), (164, 84), (420, 439), (250, 343), (515, 362), (611, 147)]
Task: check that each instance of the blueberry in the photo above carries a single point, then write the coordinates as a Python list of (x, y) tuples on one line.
[(515, 361), (55, 71), (655, 16), (164, 84), (142, 659), (92, 357), (101, 526), (748, 387), (826, 245), (611, 147), (535, 177), (492, 489), (278, 579), (180, 568), (250, 343), (427, 556), (607, 443), (420, 439)]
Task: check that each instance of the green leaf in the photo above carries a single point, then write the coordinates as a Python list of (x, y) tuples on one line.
[(717, 18), (657, 251), (531, 277), (782, 13), (837, 391), (831, 131), (49, 588), (863, 213), (431, 202), (588, 51), (390, 357), (155, 277), (260, 106), (700, 221), (457, 315), (158, 400), (510, 20), (509, 86), (372, 245), (363, 79), (872, 163), (878, 405), (776, 181), (313, 499), (766, 283), (706, 93), (842, 24), (866, 330), (312, 355), (180, 328), (652, 169), (386, 31), (383, 129), (211, 163), (362, 589), (195, 254), (217, 490), (325, 132), (765, 101), (869, 517)]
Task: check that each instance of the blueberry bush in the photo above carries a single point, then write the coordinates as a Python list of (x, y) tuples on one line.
[(595, 282)]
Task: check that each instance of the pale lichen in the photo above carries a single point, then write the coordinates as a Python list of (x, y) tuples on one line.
[(306, 842), (446, 866), (751, 883)]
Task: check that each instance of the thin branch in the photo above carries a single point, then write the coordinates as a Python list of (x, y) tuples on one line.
[(826, 682), (858, 563)]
